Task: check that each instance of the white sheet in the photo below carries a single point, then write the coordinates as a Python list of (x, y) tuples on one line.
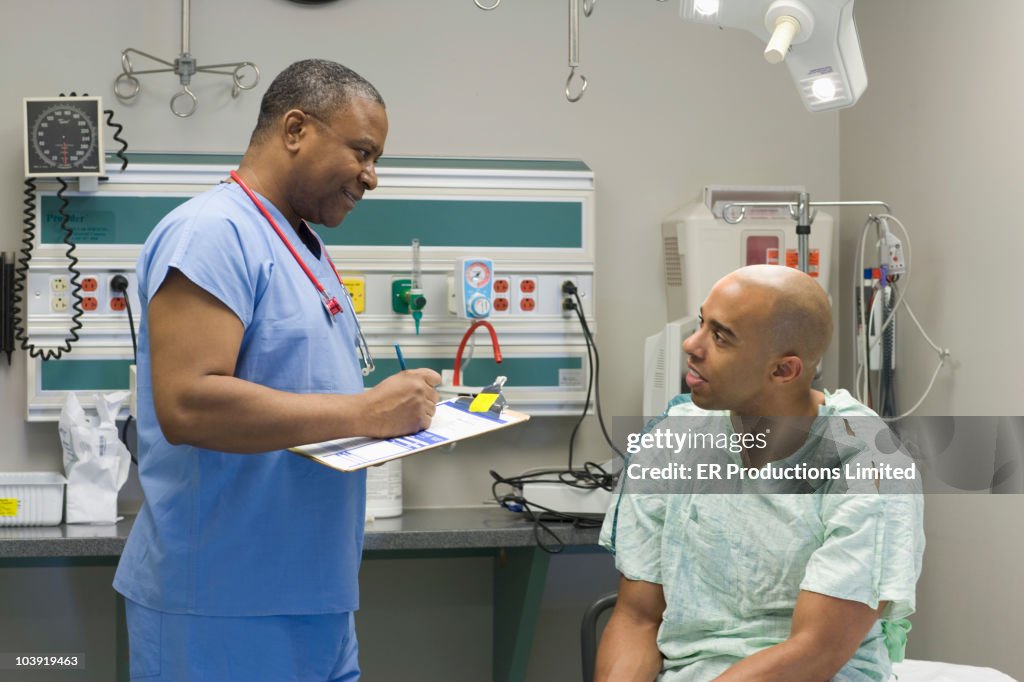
[(930, 671)]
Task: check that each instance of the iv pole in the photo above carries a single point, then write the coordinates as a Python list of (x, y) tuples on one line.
[(127, 86), (801, 213)]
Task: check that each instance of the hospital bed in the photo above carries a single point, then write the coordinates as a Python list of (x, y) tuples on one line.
[(932, 671)]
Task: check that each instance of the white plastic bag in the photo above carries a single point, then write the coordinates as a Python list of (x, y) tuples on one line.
[(96, 462)]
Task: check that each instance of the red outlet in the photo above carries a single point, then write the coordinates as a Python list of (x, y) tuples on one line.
[(500, 303), (117, 303), (89, 303), (501, 285), (528, 286), (90, 284), (527, 304)]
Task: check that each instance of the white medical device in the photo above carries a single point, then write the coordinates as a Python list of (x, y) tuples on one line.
[(471, 293), (700, 247), (665, 364), (816, 38)]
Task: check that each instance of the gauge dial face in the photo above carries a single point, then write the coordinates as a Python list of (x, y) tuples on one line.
[(63, 137), (478, 274)]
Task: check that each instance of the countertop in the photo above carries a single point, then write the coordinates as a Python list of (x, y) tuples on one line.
[(415, 529)]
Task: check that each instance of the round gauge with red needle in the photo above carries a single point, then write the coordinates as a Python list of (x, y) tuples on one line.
[(478, 274), (63, 137)]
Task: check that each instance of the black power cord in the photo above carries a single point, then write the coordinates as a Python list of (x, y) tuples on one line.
[(591, 477), (570, 289), (119, 285)]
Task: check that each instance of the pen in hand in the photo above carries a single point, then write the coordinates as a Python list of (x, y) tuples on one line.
[(401, 360)]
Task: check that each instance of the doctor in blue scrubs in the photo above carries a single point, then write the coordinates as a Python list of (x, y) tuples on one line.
[(244, 559)]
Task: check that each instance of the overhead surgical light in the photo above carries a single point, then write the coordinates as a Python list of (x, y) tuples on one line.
[(816, 38), (706, 7)]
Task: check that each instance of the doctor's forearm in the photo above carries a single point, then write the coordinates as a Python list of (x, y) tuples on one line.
[(233, 415)]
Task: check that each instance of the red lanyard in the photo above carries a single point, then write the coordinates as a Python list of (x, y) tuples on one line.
[(330, 302)]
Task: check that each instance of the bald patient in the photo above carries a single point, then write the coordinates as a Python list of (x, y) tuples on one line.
[(757, 585)]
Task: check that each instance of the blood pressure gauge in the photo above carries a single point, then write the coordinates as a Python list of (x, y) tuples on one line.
[(63, 137)]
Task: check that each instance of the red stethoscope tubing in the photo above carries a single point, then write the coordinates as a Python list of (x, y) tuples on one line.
[(329, 300)]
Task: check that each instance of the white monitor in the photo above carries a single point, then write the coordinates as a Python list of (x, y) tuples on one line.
[(665, 364)]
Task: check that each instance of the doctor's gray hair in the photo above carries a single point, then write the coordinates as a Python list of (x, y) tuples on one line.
[(317, 86)]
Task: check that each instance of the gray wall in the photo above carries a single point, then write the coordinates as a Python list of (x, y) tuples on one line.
[(671, 107), (937, 135)]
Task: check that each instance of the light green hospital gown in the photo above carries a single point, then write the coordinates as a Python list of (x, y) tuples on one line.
[(732, 565)]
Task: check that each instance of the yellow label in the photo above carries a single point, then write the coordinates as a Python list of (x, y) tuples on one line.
[(482, 402), (357, 290), (8, 506)]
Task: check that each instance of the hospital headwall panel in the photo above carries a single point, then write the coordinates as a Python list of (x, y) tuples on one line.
[(534, 219)]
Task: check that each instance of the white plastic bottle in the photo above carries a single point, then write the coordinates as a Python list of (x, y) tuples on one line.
[(384, 490)]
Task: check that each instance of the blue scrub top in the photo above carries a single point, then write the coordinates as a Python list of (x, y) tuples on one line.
[(246, 535)]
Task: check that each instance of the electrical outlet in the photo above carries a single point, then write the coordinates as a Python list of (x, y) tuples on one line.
[(90, 284), (110, 283), (568, 287), (528, 285), (90, 304), (524, 295), (116, 297), (58, 284), (58, 303)]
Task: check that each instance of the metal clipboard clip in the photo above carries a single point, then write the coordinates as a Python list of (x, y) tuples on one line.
[(489, 399)]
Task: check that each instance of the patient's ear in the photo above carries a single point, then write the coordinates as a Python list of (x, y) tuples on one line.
[(787, 369)]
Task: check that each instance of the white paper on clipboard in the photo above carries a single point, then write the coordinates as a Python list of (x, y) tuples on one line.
[(451, 424)]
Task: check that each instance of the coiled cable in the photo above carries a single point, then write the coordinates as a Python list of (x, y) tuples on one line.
[(21, 275), (117, 138)]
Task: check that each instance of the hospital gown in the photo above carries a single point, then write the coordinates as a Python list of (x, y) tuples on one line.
[(732, 565)]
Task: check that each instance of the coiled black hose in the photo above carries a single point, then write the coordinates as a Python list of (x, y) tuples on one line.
[(117, 138), (21, 275)]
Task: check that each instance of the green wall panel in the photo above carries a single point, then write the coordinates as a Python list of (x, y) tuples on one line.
[(395, 222), (105, 219), (112, 375), (482, 370), (376, 222), (85, 375)]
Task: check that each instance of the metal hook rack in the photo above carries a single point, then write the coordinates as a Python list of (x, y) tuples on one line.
[(575, 8), (800, 212), (574, 47), (185, 66)]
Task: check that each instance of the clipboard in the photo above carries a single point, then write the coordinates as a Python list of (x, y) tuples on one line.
[(454, 421)]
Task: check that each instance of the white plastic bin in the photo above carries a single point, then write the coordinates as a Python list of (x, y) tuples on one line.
[(31, 498)]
